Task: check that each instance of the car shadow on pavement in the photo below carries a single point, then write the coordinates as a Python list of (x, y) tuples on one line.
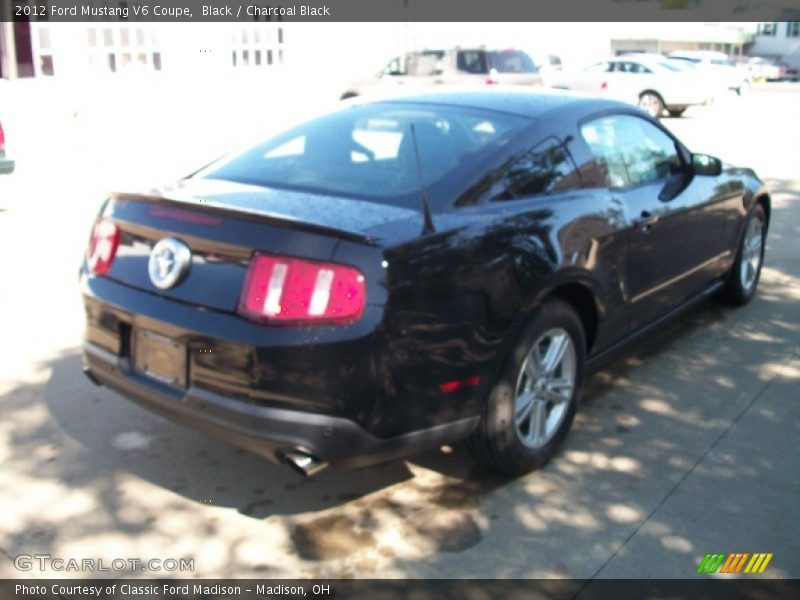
[(115, 434)]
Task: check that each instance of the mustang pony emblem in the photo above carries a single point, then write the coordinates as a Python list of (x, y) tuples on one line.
[(169, 262)]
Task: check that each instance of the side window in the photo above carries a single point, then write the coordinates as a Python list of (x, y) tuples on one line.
[(630, 150), (548, 167), (423, 64), (472, 61), (396, 66)]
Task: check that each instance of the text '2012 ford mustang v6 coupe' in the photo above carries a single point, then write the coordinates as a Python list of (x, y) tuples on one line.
[(403, 274)]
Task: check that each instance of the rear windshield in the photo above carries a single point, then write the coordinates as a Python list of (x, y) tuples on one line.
[(368, 152), (511, 61)]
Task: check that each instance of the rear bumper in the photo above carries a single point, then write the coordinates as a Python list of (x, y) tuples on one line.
[(6, 166), (266, 431)]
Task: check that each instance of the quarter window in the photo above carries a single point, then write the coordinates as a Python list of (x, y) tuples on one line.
[(631, 151), (547, 167)]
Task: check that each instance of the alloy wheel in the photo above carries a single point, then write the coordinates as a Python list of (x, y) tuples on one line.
[(751, 253), (545, 387)]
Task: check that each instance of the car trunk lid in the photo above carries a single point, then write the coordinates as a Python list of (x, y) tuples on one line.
[(223, 224)]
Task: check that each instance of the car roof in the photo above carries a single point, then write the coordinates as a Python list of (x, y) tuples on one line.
[(525, 102), (699, 53), (641, 57), (466, 49)]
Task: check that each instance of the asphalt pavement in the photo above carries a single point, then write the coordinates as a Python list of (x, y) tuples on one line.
[(684, 446)]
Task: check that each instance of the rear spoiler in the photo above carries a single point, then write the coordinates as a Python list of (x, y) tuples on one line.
[(209, 207)]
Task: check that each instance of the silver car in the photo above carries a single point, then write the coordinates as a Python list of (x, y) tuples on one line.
[(450, 67), (652, 82), (716, 68)]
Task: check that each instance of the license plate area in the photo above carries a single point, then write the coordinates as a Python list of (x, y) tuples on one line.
[(159, 357)]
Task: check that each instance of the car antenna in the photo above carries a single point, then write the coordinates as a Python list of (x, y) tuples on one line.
[(426, 210)]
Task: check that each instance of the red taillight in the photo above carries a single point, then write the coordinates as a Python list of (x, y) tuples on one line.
[(491, 81), (290, 290), (604, 86), (103, 245), (2, 139)]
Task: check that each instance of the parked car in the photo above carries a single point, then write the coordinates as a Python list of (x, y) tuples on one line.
[(6, 164), (764, 69), (770, 69), (459, 66), (717, 68), (398, 275), (550, 65), (652, 82)]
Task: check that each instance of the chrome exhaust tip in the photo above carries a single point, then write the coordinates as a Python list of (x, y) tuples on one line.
[(303, 463)]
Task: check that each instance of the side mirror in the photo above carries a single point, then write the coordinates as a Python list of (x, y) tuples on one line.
[(703, 164)]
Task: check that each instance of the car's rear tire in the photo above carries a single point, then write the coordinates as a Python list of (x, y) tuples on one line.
[(676, 112), (651, 103), (742, 281), (531, 406), (743, 89)]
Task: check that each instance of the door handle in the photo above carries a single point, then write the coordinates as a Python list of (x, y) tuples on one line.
[(646, 220)]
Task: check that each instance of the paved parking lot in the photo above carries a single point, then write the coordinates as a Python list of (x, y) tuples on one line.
[(686, 445)]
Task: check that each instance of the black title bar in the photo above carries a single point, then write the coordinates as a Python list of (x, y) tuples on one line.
[(183, 11)]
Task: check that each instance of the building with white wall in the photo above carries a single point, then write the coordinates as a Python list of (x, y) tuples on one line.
[(778, 40), (40, 48)]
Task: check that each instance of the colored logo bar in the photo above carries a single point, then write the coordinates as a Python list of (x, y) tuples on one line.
[(735, 562)]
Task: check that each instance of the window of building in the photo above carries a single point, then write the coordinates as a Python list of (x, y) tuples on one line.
[(793, 29), (124, 47), (768, 28), (254, 46)]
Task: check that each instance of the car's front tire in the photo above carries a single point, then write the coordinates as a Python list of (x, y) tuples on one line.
[(651, 103), (531, 406), (740, 287)]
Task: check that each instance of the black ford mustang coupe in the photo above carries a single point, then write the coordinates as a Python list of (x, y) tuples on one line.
[(403, 274)]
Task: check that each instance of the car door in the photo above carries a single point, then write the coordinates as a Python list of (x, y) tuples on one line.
[(627, 79), (426, 68), (675, 232)]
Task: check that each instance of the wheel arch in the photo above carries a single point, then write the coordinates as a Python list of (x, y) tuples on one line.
[(765, 201), (582, 299), (654, 92)]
